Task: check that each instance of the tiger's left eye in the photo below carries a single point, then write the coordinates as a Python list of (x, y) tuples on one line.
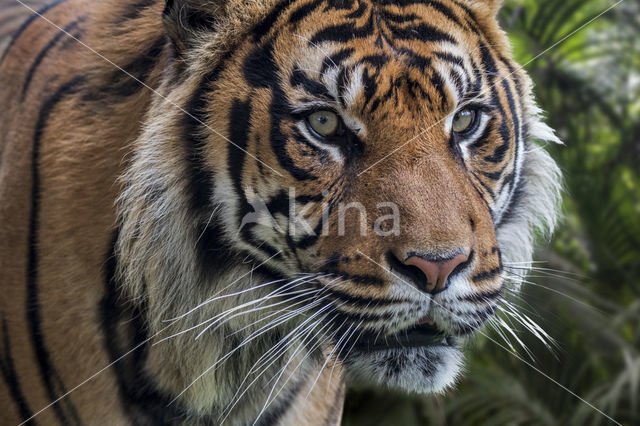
[(324, 123), (464, 120)]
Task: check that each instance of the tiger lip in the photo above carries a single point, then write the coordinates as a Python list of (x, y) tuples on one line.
[(424, 333)]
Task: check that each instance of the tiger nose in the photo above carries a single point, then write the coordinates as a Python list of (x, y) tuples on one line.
[(437, 271)]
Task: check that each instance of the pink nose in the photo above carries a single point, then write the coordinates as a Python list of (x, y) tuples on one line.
[(436, 272)]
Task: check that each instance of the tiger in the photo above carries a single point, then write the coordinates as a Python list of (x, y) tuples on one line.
[(227, 212)]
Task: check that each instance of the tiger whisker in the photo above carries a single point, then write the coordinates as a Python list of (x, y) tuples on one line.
[(271, 359), (217, 296), (327, 360), (293, 313), (270, 326), (215, 210), (337, 355), (508, 327), (283, 340), (218, 362), (320, 341), (557, 273), (530, 325), (287, 309), (296, 294), (337, 358), (513, 310), (238, 396), (553, 290), (219, 317)]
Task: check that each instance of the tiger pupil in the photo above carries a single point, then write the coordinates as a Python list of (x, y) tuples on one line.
[(463, 120), (323, 123)]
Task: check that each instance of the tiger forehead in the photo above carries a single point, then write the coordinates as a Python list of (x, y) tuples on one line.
[(382, 50), (382, 22)]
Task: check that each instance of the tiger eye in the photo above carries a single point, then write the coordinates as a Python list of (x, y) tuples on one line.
[(463, 120), (324, 123)]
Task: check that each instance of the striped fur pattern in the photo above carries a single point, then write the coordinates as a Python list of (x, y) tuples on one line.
[(176, 215)]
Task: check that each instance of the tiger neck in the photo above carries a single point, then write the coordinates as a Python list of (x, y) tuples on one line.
[(149, 381)]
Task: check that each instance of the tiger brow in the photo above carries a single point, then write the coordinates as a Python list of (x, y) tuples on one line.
[(300, 79)]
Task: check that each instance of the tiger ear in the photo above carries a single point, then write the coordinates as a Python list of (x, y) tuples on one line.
[(492, 5), (184, 20)]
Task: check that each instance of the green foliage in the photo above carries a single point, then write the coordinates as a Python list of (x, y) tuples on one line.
[(586, 292)]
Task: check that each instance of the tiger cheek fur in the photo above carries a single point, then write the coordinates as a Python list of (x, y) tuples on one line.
[(256, 264)]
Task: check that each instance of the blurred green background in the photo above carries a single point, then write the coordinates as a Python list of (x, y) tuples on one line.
[(586, 294)]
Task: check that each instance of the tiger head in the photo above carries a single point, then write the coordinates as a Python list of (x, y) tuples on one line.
[(351, 174)]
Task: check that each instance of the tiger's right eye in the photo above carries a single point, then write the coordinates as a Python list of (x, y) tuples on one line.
[(324, 123), (464, 120)]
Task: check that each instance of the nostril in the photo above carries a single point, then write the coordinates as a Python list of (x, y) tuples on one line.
[(437, 271), (409, 271)]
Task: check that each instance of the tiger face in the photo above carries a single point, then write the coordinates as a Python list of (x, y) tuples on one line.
[(373, 159)]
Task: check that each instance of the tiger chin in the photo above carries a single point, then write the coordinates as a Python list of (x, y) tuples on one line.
[(228, 211)]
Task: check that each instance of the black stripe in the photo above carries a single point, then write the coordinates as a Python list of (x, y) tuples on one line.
[(483, 297), (134, 11), (213, 249), (200, 174), (518, 194), (359, 12), (342, 80), (264, 26), (358, 301), (486, 275), (344, 33), (484, 137), (484, 185), (44, 51), (273, 416), (300, 79), (492, 175), (370, 87), (438, 84), (445, 11), (124, 328), (341, 316), (489, 64), (498, 154), (336, 59), (422, 32), (26, 24), (10, 376), (268, 77), (415, 59), (341, 4), (517, 130), (64, 409), (452, 59), (304, 11), (239, 127), (140, 68), (398, 18), (356, 278)]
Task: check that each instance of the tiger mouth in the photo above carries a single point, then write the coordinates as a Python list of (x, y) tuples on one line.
[(423, 334)]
